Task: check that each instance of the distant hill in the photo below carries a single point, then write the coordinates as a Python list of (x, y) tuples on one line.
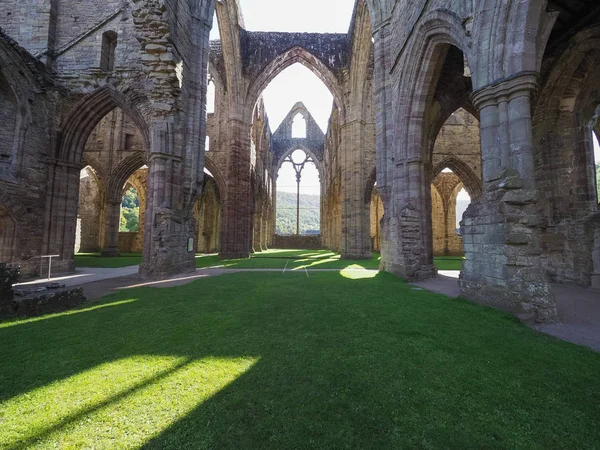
[(310, 213)]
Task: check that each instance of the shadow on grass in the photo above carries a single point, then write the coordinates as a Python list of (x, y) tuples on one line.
[(341, 363)]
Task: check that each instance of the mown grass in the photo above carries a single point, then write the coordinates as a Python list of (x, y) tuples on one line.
[(105, 262), (448, 262), (286, 361), (291, 259), (269, 259)]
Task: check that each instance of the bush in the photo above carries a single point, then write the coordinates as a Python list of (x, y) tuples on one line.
[(8, 277)]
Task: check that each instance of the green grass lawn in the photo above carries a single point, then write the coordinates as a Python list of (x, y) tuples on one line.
[(285, 361), (270, 259), (105, 262), (448, 262), (291, 259)]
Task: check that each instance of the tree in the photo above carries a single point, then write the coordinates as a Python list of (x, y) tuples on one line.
[(130, 212)]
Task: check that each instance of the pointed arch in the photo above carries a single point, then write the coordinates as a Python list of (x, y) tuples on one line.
[(90, 111), (471, 182), (217, 176), (371, 180), (305, 149), (122, 173), (423, 61), (283, 61)]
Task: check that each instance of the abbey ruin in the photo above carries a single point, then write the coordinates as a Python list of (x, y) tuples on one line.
[(498, 98)]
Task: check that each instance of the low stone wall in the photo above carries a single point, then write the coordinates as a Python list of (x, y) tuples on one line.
[(39, 304), (130, 242), (311, 242)]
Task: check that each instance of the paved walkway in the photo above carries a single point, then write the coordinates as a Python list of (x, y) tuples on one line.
[(578, 309), (82, 276)]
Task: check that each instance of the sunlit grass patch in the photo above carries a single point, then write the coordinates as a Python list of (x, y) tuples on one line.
[(288, 259), (122, 403)]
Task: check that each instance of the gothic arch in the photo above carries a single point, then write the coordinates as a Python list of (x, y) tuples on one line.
[(122, 173), (87, 114), (23, 86), (285, 60), (471, 182), (518, 30), (304, 148), (216, 175), (424, 60)]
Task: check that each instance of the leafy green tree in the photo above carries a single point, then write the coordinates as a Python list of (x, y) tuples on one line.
[(130, 212)]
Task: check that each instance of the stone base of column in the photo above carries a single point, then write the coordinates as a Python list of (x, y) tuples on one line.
[(111, 252), (503, 257), (166, 253), (402, 248), (409, 273)]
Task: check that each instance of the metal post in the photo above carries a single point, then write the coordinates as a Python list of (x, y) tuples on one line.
[(49, 266), (298, 204)]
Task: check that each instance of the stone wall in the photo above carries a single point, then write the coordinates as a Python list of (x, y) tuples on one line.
[(298, 242)]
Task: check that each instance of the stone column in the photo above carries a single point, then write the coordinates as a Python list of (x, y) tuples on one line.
[(111, 228), (595, 278), (500, 230), (168, 225), (356, 243), (236, 222), (61, 214), (407, 247), (257, 229)]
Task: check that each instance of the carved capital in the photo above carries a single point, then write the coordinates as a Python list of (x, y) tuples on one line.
[(522, 84)]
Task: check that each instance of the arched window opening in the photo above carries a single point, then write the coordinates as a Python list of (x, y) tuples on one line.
[(107, 55), (207, 144), (210, 96), (463, 200), (447, 170), (130, 211), (597, 164), (8, 122), (299, 202), (299, 126), (296, 84)]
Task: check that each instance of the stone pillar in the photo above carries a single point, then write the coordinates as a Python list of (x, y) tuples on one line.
[(500, 230), (111, 228), (168, 225), (236, 222), (356, 224), (257, 229), (407, 229), (595, 278), (61, 214)]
